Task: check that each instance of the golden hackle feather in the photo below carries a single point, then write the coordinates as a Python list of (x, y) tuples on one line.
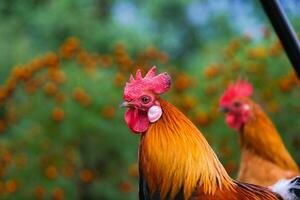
[(174, 155), (259, 135)]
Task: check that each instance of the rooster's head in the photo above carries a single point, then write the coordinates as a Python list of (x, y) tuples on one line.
[(235, 103), (141, 99)]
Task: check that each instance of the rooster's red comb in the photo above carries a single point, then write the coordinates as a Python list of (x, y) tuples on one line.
[(158, 84), (242, 88)]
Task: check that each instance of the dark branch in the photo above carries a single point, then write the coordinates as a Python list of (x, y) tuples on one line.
[(284, 30)]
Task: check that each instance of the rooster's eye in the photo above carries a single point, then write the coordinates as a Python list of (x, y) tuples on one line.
[(145, 99), (236, 104)]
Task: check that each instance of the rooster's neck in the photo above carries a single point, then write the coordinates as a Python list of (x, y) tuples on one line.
[(260, 136), (174, 157)]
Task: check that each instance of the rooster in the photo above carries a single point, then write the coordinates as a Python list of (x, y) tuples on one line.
[(264, 158), (175, 160)]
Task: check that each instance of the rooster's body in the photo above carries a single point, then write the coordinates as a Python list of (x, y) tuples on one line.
[(264, 158), (175, 160)]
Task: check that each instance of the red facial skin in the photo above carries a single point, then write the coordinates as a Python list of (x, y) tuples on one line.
[(237, 113), (136, 114)]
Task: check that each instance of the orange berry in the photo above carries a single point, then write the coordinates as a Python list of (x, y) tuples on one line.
[(56, 75), (285, 85), (78, 93), (58, 114), (51, 60), (211, 71), (7, 156), (58, 194), (20, 72), (51, 172), (126, 187), (36, 64), (50, 88), (69, 47), (81, 97), (11, 186), (182, 82), (86, 175), (11, 85)]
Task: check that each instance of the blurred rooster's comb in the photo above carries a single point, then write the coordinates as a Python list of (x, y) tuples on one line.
[(242, 88), (158, 84)]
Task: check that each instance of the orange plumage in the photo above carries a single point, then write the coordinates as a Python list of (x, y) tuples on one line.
[(174, 155), (264, 158)]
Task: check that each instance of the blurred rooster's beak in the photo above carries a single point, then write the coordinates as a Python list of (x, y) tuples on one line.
[(124, 104), (223, 109)]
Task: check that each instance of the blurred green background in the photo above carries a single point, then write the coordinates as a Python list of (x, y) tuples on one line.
[(63, 66)]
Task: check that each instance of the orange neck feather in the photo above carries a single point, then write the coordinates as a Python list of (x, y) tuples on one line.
[(174, 155), (259, 135)]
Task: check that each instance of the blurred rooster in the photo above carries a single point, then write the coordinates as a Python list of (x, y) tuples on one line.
[(264, 158), (175, 160)]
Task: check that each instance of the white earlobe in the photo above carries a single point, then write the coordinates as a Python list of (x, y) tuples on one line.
[(246, 107), (154, 113)]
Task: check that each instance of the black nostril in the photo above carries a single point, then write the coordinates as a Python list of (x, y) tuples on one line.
[(223, 109)]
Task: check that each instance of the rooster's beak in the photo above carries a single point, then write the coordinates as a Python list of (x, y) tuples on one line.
[(124, 104), (223, 109)]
